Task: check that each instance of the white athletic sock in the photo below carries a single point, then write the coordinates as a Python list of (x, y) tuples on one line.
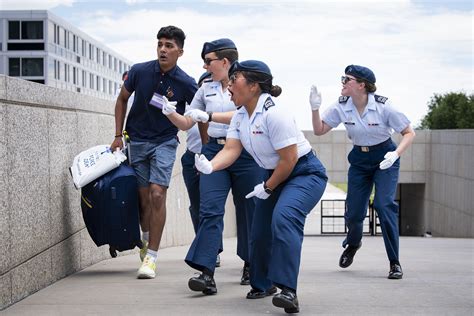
[(152, 253)]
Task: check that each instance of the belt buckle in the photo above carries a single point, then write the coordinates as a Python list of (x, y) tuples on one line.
[(364, 149), (221, 141)]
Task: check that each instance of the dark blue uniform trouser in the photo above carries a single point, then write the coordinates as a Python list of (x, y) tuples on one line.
[(278, 225), (191, 180), (241, 177), (364, 172)]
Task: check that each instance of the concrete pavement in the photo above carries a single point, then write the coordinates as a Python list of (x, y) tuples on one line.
[(438, 280)]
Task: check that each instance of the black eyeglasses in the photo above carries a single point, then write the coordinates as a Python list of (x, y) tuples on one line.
[(208, 61), (346, 79)]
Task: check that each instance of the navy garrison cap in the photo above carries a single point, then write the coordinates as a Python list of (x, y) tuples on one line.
[(203, 77), (214, 46), (252, 66), (361, 72)]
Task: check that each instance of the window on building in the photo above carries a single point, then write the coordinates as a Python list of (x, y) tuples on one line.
[(97, 83), (104, 85), (84, 78), (66, 75), (58, 41), (74, 75), (25, 46), (91, 81), (97, 55), (32, 30), (84, 48), (32, 67), (13, 30), (14, 67), (104, 58), (25, 67), (25, 30), (55, 33)]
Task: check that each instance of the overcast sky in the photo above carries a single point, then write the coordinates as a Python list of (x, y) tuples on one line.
[(415, 48)]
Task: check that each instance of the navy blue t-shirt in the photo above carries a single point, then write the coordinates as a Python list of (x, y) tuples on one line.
[(146, 122)]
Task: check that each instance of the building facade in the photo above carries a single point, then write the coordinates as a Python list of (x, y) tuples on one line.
[(38, 46)]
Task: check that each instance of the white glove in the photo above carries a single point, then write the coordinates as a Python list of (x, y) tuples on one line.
[(259, 192), (197, 115), (169, 107), (202, 164), (389, 160), (315, 98)]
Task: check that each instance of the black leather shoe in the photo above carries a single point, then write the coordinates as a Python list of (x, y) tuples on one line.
[(245, 280), (203, 283), (254, 293), (287, 299), (348, 255), (396, 272)]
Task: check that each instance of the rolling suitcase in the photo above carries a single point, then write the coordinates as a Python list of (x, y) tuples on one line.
[(110, 210)]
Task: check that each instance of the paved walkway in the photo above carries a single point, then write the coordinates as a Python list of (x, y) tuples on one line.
[(438, 281)]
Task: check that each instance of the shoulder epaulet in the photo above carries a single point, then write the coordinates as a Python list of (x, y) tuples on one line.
[(207, 80), (343, 99), (380, 99), (238, 108), (268, 103)]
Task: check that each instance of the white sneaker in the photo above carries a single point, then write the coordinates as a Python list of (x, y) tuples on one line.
[(147, 270), (143, 250)]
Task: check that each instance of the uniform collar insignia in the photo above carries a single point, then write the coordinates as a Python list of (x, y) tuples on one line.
[(268, 103)]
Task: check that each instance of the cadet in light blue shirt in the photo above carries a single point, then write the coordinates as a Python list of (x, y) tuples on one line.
[(241, 176), (370, 120), (294, 183)]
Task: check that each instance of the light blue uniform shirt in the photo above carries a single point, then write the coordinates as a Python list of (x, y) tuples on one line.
[(270, 128), (373, 127), (193, 139), (211, 98)]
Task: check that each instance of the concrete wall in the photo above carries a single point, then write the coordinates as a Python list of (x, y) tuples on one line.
[(333, 148), (42, 233), (436, 177), (449, 201)]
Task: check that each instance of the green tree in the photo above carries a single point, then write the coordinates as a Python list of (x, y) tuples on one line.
[(453, 110)]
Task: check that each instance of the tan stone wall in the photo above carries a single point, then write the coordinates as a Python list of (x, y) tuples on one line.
[(42, 233)]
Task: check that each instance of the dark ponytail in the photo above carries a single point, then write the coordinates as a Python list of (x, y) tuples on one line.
[(275, 91), (264, 81)]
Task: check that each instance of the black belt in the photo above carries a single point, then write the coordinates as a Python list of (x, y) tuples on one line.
[(367, 149), (217, 140)]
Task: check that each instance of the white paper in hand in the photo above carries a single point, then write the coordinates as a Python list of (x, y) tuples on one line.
[(93, 163)]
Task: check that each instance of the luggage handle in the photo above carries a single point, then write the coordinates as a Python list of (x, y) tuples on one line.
[(126, 147), (113, 252)]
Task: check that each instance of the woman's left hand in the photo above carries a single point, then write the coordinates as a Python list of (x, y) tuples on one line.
[(389, 160)]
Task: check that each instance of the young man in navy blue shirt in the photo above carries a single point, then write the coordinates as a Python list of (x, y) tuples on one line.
[(153, 137)]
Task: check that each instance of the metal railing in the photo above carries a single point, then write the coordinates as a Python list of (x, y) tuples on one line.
[(333, 223)]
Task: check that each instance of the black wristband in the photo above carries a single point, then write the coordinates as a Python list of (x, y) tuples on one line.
[(119, 135), (267, 189), (210, 116)]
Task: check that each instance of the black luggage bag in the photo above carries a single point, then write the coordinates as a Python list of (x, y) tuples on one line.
[(110, 210)]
